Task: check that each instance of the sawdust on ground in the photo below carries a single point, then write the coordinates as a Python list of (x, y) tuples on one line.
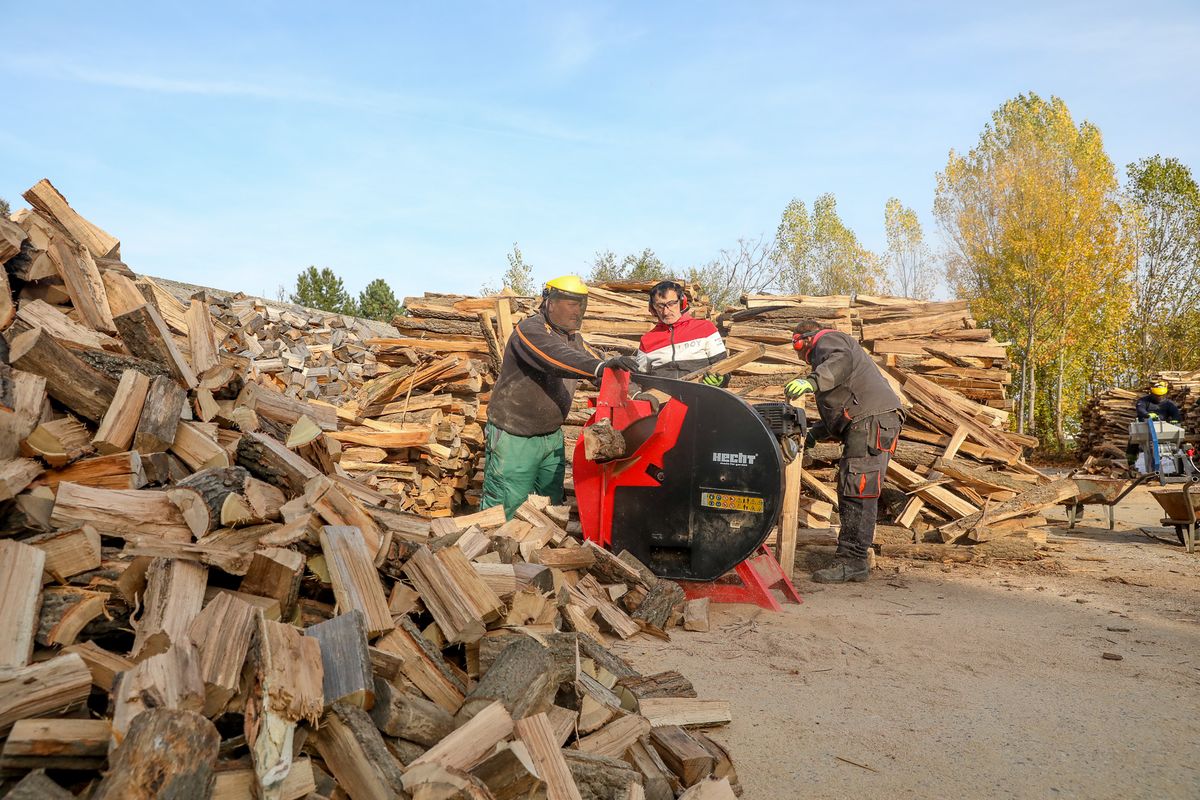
[(968, 680)]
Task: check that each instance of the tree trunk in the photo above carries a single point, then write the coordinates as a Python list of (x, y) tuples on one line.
[(1058, 398)]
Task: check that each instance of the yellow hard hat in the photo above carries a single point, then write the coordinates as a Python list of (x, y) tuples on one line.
[(570, 284), (1159, 388)]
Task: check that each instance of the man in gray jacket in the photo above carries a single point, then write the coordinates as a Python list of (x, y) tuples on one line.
[(857, 406)]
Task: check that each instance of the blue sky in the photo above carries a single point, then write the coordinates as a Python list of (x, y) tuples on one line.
[(233, 144)]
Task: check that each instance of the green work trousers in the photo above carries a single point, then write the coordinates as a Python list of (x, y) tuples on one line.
[(515, 467)]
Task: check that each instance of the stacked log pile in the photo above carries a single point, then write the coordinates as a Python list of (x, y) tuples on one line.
[(1105, 419), (200, 601)]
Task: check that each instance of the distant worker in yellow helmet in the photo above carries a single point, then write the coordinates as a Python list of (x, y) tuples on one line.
[(543, 362), (1153, 407)]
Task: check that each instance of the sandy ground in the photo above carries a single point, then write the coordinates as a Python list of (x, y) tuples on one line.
[(968, 681)]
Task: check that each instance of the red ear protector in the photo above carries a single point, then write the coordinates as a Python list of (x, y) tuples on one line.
[(802, 342), (665, 286)]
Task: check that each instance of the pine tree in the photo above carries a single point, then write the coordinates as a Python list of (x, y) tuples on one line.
[(378, 302), (5, 210), (323, 290)]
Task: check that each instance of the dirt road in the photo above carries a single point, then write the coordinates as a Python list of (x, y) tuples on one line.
[(970, 680)]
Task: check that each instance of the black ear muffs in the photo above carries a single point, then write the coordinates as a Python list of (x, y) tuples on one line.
[(663, 286)]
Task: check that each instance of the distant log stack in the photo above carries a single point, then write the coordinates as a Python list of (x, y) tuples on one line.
[(1105, 419)]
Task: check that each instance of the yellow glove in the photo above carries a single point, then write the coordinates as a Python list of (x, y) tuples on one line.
[(797, 388), (713, 379)]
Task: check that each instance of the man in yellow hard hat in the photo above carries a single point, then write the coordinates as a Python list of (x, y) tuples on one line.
[(1153, 407), (543, 362)]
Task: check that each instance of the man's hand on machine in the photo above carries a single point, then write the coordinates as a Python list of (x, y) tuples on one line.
[(797, 388), (627, 363), (1152, 416), (713, 379)]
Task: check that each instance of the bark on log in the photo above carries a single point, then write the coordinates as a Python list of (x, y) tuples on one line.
[(656, 609), (68, 379), (167, 754), (405, 715), (214, 485), (600, 777), (521, 678)]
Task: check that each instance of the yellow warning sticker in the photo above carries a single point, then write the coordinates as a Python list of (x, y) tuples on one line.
[(731, 502)]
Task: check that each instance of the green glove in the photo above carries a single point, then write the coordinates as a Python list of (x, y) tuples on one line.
[(797, 388), (1152, 415), (713, 379)]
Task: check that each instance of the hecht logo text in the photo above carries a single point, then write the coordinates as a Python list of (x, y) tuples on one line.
[(736, 459)]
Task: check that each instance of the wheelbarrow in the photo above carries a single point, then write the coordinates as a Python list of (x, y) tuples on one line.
[(1095, 490), (1181, 504)]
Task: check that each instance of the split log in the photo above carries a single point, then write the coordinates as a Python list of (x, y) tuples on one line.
[(711, 788), (147, 336), (240, 784), (695, 614), (662, 599), (222, 633), (167, 753), (160, 416), (520, 678), (406, 716), (679, 751), (603, 442), (684, 711), (36, 786), (52, 205), (69, 380), (355, 753), (276, 572), (657, 780), (119, 512), (81, 278), (339, 509), (68, 553), (423, 665), (66, 610), (470, 743), (346, 663), (661, 684), (40, 314), (104, 666), (202, 337), (286, 689), (196, 445), (46, 688), (113, 471), (167, 679), (600, 777), (268, 460), (174, 597), (75, 744), (616, 737), (355, 580), (214, 485), (21, 568), (536, 734), (509, 773)]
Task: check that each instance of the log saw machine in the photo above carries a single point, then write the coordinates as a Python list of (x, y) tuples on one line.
[(693, 487)]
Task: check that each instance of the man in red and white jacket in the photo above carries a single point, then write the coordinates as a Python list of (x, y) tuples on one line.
[(679, 344)]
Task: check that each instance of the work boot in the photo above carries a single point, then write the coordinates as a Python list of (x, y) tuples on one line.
[(844, 570)]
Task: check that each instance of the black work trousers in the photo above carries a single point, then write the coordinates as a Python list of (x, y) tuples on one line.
[(867, 446)]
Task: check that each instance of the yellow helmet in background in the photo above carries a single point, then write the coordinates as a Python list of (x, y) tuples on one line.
[(1159, 388)]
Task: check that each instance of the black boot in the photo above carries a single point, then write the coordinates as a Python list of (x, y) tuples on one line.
[(844, 569)]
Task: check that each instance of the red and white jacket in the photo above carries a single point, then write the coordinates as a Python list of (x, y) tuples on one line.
[(673, 351)]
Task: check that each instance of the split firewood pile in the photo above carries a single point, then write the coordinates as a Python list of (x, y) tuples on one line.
[(199, 601), (1104, 426)]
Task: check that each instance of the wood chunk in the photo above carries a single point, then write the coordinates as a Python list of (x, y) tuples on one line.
[(118, 512), (213, 485), (46, 688), (120, 421), (81, 278), (724, 763), (191, 506), (55, 744), (695, 615), (58, 442), (241, 784), (345, 660), (268, 460), (684, 711), (616, 737), (222, 633), (276, 572), (355, 753), (536, 734), (610, 569), (286, 689), (147, 336), (69, 380), (423, 665), (21, 568), (11, 240), (202, 338), (565, 558), (104, 665), (521, 678), (656, 609), (114, 471), (658, 781), (339, 509), (601, 777), (355, 580), (160, 416), (174, 597), (22, 398), (168, 679), (68, 553), (15, 475), (40, 314), (682, 754), (285, 410), (66, 610), (661, 684), (267, 605), (123, 294), (36, 786), (167, 753), (52, 205), (509, 773), (458, 600), (408, 716), (472, 742), (197, 448), (603, 442)]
